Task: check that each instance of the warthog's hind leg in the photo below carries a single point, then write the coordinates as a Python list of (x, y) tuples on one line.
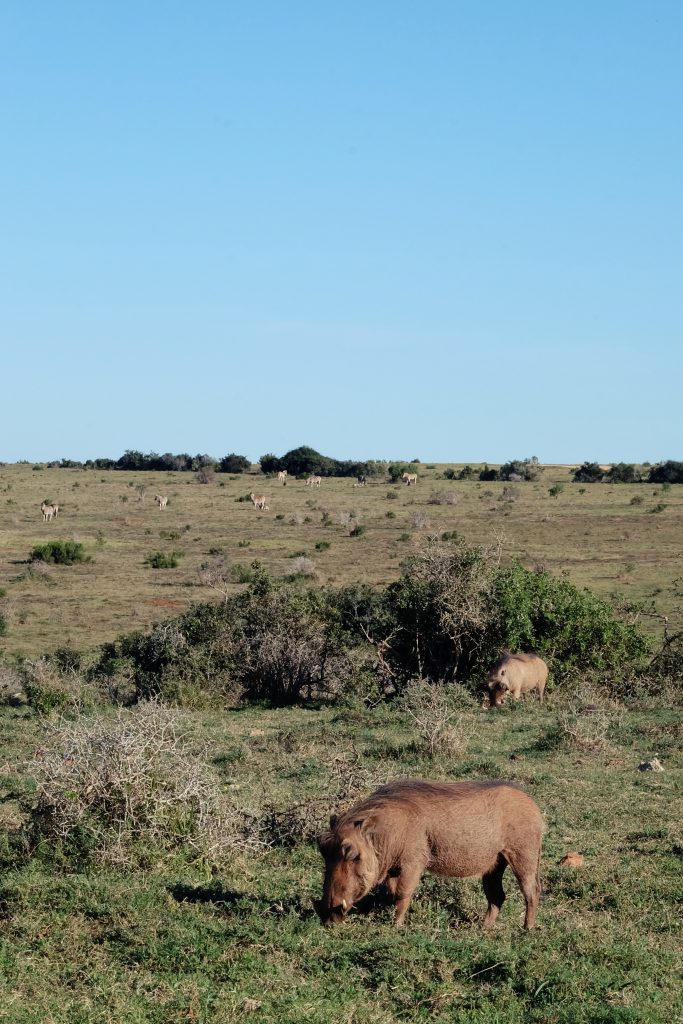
[(492, 882)]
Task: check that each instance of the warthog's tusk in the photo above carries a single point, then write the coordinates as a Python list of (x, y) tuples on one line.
[(343, 904)]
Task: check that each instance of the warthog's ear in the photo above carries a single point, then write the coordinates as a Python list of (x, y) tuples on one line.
[(334, 818), (350, 851), (325, 843)]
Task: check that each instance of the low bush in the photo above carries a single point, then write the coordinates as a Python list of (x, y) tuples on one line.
[(123, 789), (60, 552), (163, 559)]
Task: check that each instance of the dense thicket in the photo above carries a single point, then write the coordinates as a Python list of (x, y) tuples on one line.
[(304, 460), (183, 463), (447, 617)]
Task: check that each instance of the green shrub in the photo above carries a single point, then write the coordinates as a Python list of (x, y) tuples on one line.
[(637, 499), (390, 514), (322, 545), (163, 559), (358, 531), (3, 625), (555, 490), (666, 472), (454, 609), (659, 507), (588, 473), (60, 552), (623, 473)]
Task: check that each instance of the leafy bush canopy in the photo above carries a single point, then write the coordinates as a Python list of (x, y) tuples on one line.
[(669, 472), (60, 552), (447, 617), (234, 464), (588, 473)]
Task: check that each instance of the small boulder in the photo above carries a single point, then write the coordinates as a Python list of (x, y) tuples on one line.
[(572, 860)]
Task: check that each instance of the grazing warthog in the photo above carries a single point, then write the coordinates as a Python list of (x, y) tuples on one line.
[(516, 674), (360, 480), (259, 501), (458, 829), (49, 511), (161, 501), (282, 477), (409, 478), (314, 481)]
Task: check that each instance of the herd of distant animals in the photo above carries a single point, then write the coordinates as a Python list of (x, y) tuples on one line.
[(259, 501), (407, 827)]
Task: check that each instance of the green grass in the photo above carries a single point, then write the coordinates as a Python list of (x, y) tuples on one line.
[(178, 941)]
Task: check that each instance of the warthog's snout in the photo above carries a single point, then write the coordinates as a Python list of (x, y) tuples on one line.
[(331, 915)]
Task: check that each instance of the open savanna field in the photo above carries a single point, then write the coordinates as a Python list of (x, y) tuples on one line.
[(593, 533), (184, 891)]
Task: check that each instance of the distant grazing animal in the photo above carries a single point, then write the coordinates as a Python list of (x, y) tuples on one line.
[(314, 481), (259, 501), (516, 674), (409, 478), (49, 511), (360, 480), (457, 829), (282, 477), (161, 501)]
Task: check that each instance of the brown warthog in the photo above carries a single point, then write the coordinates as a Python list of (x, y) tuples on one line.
[(516, 674), (458, 829)]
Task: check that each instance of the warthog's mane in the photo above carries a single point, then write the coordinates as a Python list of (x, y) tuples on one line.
[(412, 793)]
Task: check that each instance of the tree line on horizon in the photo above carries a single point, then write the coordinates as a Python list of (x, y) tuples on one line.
[(305, 460)]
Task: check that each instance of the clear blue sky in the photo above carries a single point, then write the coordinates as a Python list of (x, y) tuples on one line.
[(447, 230)]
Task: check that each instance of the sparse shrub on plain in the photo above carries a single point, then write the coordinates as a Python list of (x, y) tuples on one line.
[(441, 729), (163, 559), (304, 567), (60, 552), (637, 499), (418, 520), (322, 545), (555, 490), (443, 498), (659, 507), (587, 721), (358, 530), (122, 789)]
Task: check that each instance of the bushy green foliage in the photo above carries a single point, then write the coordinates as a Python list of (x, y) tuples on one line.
[(623, 473), (524, 469), (3, 624), (60, 552), (234, 464), (666, 472), (397, 469), (454, 609), (163, 559), (588, 473)]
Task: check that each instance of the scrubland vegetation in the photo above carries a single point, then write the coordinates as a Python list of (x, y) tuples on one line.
[(167, 766)]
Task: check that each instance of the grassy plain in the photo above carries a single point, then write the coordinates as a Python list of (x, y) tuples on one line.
[(593, 533), (173, 940), (176, 942)]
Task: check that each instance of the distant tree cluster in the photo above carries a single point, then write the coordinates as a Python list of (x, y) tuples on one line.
[(304, 460), (669, 472), (184, 463), (514, 471)]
